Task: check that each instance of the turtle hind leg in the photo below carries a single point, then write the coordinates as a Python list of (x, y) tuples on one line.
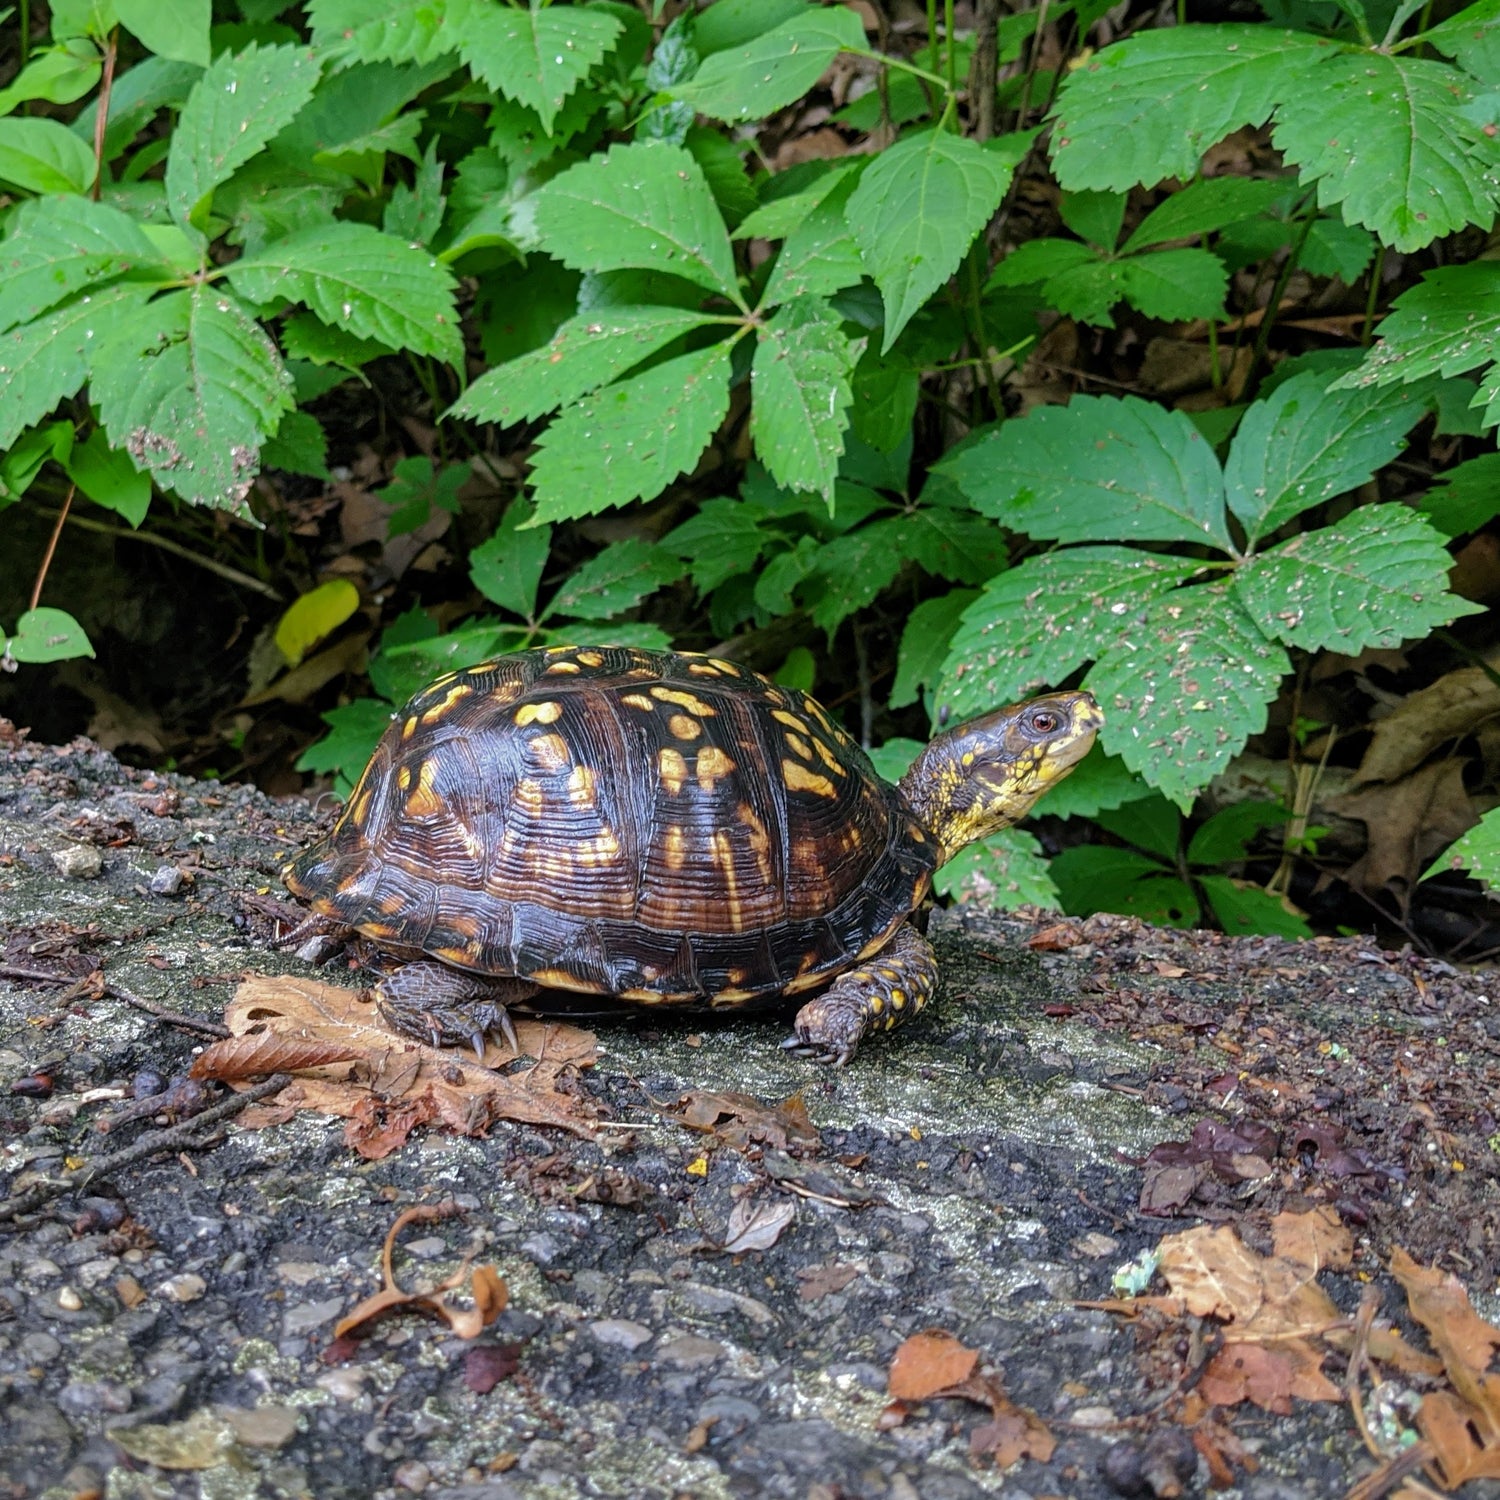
[(450, 1007), (878, 995)]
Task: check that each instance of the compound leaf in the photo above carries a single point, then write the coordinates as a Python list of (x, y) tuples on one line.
[(382, 30), (1478, 852), (1176, 285), (1006, 870), (507, 567), (617, 579)]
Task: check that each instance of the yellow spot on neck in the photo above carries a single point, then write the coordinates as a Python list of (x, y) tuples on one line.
[(799, 746), (800, 779), (538, 713)]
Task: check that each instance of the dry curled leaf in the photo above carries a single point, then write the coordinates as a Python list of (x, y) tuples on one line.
[(928, 1363), (368, 1062), (1267, 1374), (757, 1223), (1315, 1239), (743, 1121), (488, 1291)]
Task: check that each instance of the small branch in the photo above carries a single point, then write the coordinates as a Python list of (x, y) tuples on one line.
[(175, 1138), (41, 572), (171, 1017), (101, 113), (984, 71)]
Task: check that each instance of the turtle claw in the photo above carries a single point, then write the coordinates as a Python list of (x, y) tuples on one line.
[(818, 1052)]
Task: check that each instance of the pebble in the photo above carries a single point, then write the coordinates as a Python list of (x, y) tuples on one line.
[(39, 1348), (185, 1287), (621, 1333), (427, 1249), (78, 862), (342, 1385), (689, 1352), (83, 1396), (69, 1300), (166, 881), (309, 1315), (412, 1476)]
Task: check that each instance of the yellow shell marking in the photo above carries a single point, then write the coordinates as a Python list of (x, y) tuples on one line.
[(760, 840), (538, 713), (460, 956), (530, 795), (560, 979), (790, 720), (591, 658), (562, 666), (602, 850), (800, 779), (723, 847), (673, 769), (581, 787), (464, 926), (684, 727), (424, 802), (675, 847), (712, 764), (551, 750), (441, 709), (638, 700), (724, 666), (693, 704), (391, 904), (704, 669), (403, 778), (829, 758), (799, 746), (409, 728)]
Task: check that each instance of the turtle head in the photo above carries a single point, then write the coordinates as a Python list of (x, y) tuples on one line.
[(985, 775)]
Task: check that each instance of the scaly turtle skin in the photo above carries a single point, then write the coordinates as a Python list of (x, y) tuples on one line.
[(665, 830)]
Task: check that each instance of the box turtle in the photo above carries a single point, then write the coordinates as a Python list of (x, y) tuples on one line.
[(662, 829)]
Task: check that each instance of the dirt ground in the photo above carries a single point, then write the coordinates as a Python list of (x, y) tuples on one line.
[(709, 1291)]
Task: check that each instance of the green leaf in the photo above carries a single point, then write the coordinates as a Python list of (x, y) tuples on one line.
[(630, 440), (722, 540), (1176, 285), (298, 446), (313, 616), (47, 635), (947, 542), (170, 28), (191, 386), (1478, 852), (1150, 823), (417, 489), (42, 156), (585, 353), (238, 105), (29, 454), (1094, 877), (308, 338), (1098, 469), (1228, 834), (1305, 444), (1243, 909), (1386, 138), (382, 30), (1094, 217), (1007, 870), (400, 670), (1203, 207), (1184, 691), (916, 210), (885, 402), (361, 281), (507, 568), (800, 395), (536, 57), (354, 730), (645, 205), (780, 217), (724, 171), (733, 23), (519, 312), (1334, 248), (1149, 107), (1376, 578), (1445, 325), (819, 257), (617, 579), (59, 75), (674, 58), (1464, 498), (756, 79), (924, 643), (779, 578), (641, 635), (59, 245), (415, 213), (107, 476), (1472, 37), (851, 571), (41, 363), (1041, 620), (1041, 260)]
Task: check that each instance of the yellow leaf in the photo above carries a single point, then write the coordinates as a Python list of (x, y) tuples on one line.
[(313, 616)]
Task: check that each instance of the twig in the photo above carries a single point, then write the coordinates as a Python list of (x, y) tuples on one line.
[(188, 1133), (984, 70), (40, 976), (101, 110), (41, 572), (172, 1017), (1392, 1472)]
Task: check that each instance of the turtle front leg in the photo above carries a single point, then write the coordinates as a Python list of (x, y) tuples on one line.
[(450, 1007), (877, 996)]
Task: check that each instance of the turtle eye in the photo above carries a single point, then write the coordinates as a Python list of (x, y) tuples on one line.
[(1044, 721)]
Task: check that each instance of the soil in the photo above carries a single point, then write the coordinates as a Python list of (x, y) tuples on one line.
[(1077, 1091)]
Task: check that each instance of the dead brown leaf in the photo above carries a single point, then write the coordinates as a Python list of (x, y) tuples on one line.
[(487, 1288), (928, 1363), (261, 1053), (757, 1223), (1269, 1375), (1440, 1304), (1315, 1239), (290, 1011), (1460, 1451), (823, 1281), (1453, 706), (743, 1121), (1408, 823)]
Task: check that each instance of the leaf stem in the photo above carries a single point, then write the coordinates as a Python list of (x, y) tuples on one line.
[(101, 112), (976, 320), (898, 63), (41, 572), (1263, 334), (948, 48), (1376, 271)]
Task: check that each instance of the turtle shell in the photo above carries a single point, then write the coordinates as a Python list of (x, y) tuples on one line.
[(666, 829)]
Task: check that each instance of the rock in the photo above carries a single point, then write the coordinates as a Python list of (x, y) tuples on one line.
[(689, 1352), (166, 881), (306, 1316), (185, 1287), (620, 1333), (78, 862)]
